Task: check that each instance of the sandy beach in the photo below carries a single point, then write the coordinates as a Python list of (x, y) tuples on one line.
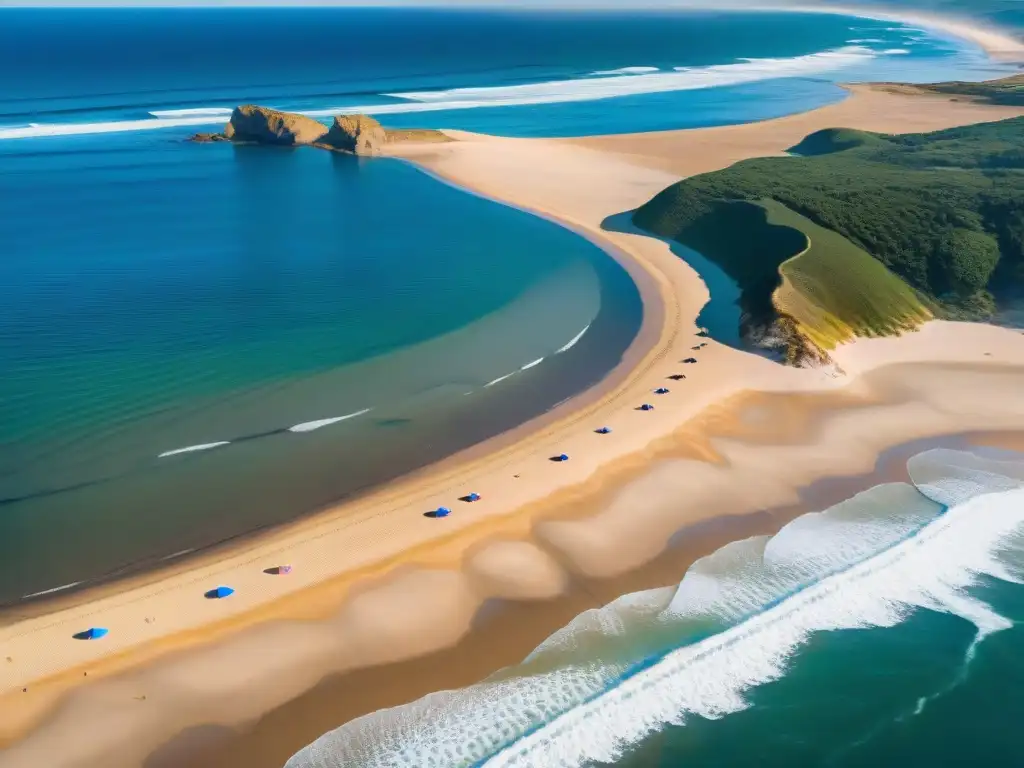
[(375, 582)]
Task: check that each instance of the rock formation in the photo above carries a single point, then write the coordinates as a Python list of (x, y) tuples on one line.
[(358, 134), (204, 138), (268, 126)]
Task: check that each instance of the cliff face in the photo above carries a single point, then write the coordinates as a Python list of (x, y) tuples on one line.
[(358, 134), (268, 126)]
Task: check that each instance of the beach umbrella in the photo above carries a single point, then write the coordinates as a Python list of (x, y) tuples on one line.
[(219, 593), (279, 570), (92, 633), (563, 457), (603, 430), (661, 391), (473, 497), (442, 512), (646, 407)]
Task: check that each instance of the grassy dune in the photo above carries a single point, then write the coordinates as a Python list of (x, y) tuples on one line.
[(858, 233), (835, 291)]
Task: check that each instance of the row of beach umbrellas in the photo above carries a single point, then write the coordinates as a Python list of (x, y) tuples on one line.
[(445, 511), (217, 593), (220, 592)]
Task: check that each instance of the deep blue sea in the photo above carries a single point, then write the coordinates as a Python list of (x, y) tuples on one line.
[(199, 341)]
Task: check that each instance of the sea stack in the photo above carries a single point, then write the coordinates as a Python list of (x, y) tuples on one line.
[(358, 134), (355, 134), (269, 126)]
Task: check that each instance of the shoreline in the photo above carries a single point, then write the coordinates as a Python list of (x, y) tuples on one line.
[(157, 568), (999, 44), (580, 184), (505, 631)]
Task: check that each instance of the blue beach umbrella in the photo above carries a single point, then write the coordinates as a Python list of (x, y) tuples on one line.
[(646, 407), (473, 497), (93, 633), (661, 391), (603, 430), (442, 512), (563, 457), (219, 593)]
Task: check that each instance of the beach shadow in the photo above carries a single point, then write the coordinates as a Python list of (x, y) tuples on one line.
[(180, 750)]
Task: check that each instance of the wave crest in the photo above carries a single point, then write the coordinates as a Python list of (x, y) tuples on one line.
[(627, 81), (660, 657)]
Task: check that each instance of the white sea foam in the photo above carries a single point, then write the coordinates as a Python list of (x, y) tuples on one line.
[(589, 88), (626, 71), (309, 426), (51, 591), (865, 40), (536, 362), (896, 52), (191, 448), (679, 79), (492, 382), (573, 341), (869, 562)]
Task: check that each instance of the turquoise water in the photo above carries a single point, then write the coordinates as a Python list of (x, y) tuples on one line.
[(879, 631), (172, 295), (201, 341)]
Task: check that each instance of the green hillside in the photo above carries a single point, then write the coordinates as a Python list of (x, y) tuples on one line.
[(899, 226)]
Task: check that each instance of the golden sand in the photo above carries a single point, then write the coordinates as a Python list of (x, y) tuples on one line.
[(375, 582)]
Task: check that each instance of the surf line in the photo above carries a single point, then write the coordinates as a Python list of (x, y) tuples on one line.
[(303, 427), (193, 448), (573, 341)]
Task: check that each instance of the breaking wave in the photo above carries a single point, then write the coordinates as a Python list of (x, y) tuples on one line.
[(735, 621), (193, 448), (573, 341), (309, 426), (678, 79), (627, 81), (626, 71)]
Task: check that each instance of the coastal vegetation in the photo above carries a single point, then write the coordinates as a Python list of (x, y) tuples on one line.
[(857, 233), (1009, 91)]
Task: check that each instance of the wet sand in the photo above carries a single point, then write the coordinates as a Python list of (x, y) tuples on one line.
[(376, 583)]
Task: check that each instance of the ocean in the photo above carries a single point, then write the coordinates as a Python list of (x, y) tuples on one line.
[(879, 631), (202, 341)]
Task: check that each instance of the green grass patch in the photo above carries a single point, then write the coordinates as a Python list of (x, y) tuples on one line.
[(835, 290)]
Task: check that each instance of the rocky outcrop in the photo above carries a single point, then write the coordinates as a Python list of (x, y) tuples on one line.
[(358, 134), (204, 138), (269, 126)]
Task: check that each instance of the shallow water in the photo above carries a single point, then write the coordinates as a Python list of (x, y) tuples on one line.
[(199, 341), (182, 349), (855, 633)]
